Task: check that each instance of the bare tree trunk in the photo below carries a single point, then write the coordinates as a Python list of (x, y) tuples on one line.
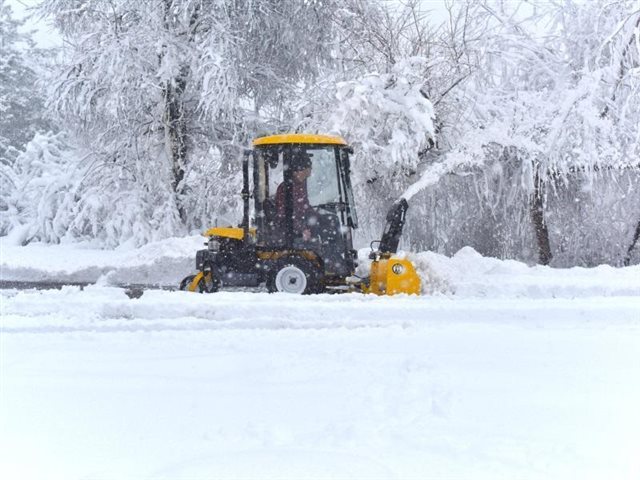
[(636, 235), (537, 217), (176, 128), (176, 138)]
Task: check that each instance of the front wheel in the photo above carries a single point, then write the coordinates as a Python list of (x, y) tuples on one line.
[(186, 281), (201, 283), (295, 276)]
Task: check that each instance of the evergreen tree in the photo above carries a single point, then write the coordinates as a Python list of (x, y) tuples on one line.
[(21, 104)]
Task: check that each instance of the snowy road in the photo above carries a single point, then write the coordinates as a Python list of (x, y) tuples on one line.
[(239, 385), (503, 371)]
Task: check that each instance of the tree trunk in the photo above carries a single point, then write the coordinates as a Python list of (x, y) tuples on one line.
[(537, 217), (636, 235), (176, 138), (175, 115)]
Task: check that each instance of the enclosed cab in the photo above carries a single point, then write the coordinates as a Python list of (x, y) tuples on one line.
[(303, 201)]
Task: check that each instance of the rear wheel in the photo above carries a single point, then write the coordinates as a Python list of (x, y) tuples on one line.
[(297, 276)]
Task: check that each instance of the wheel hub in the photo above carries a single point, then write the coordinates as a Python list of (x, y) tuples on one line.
[(291, 279)]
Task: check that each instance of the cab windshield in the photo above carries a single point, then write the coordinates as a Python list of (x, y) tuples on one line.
[(302, 191), (323, 183), (329, 185)]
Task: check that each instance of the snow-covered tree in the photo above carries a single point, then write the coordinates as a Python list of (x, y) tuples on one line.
[(163, 93), (22, 110), (375, 96), (388, 121), (532, 103), (40, 181), (550, 108), (513, 127), (21, 102)]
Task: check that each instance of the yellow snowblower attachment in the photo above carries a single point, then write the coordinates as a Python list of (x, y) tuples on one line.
[(390, 274), (393, 275)]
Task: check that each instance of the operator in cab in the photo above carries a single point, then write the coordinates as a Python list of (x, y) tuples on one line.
[(305, 217)]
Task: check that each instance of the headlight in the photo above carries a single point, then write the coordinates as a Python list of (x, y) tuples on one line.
[(398, 268), (213, 244)]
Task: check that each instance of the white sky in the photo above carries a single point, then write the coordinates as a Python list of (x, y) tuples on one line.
[(45, 36)]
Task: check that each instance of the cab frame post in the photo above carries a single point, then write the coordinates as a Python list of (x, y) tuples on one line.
[(245, 194)]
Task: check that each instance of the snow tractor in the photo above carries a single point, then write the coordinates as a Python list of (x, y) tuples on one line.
[(297, 226)]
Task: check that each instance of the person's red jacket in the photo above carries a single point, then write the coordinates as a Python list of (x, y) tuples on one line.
[(302, 210)]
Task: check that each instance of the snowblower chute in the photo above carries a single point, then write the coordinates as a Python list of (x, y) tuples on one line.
[(389, 273), (296, 231)]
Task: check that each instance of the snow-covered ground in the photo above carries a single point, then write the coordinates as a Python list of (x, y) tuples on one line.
[(504, 371)]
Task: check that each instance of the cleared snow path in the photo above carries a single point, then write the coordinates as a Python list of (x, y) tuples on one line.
[(239, 385), (109, 309)]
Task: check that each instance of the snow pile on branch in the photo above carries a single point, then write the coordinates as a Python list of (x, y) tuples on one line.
[(388, 120), (563, 101), (22, 111), (60, 193), (386, 117)]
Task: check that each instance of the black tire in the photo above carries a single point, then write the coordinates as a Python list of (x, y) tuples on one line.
[(210, 285), (204, 286), (295, 275), (186, 281)]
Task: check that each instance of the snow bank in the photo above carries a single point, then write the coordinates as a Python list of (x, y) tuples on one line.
[(158, 263), (468, 273)]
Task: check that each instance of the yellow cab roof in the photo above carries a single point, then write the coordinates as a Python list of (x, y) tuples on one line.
[(298, 138)]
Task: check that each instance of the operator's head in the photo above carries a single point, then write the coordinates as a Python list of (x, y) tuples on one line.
[(301, 165)]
